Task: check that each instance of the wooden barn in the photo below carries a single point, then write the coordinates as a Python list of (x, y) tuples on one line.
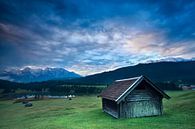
[(133, 97)]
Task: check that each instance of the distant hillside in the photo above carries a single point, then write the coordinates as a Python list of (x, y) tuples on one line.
[(183, 72), (177, 72), (160, 73), (37, 75)]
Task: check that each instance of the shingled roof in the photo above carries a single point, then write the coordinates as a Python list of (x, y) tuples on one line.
[(120, 87)]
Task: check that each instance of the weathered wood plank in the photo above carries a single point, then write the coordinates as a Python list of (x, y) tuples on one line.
[(139, 103), (142, 108)]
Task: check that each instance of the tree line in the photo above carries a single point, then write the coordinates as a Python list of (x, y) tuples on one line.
[(66, 88)]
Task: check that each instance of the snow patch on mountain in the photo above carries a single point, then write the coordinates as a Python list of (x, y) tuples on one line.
[(29, 74)]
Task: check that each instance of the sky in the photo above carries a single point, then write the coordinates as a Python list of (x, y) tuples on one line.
[(92, 36)]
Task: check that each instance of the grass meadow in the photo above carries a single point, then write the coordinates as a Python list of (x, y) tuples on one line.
[(84, 112)]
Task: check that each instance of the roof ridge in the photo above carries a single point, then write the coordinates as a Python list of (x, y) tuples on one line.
[(128, 79), (117, 91), (138, 78)]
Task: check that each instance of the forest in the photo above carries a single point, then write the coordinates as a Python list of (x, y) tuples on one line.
[(61, 88)]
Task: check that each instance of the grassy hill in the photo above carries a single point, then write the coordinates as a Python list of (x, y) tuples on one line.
[(85, 113)]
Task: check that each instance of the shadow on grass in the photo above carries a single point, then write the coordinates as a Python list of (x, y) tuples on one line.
[(103, 115)]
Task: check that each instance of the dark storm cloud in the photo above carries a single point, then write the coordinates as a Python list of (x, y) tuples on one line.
[(94, 35), (172, 15), (177, 18)]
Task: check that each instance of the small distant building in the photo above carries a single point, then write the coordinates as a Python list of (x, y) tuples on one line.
[(186, 88), (133, 97), (192, 87)]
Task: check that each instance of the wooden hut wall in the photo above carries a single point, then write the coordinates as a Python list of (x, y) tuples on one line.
[(143, 101), (110, 107)]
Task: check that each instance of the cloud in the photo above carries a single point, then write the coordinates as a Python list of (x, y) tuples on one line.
[(91, 37)]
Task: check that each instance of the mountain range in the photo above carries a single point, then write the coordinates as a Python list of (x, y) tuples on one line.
[(178, 72), (28, 74)]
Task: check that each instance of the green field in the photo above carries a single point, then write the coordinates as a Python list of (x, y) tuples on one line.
[(85, 113)]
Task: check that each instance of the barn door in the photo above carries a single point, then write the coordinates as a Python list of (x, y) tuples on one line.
[(142, 108)]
